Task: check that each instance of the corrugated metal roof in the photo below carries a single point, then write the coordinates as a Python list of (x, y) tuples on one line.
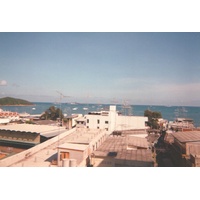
[(44, 130), (187, 136)]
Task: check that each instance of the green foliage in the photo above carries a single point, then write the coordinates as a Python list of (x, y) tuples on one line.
[(30, 122), (13, 101), (153, 117), (65, 120), (52, 113)]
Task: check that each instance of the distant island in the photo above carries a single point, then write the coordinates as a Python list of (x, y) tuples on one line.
[(9, 101)]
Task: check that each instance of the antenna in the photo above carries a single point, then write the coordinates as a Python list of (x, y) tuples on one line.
[(126, 108), (114, 101), (61, 94)]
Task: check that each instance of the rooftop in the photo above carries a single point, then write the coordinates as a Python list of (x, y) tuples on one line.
[(187, 136), (44, 157), (80, 147), (117, 144), (120, 149), (44, 130)]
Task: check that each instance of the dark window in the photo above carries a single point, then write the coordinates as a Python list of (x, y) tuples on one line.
[(106, 122), (112, 154), (98, 121), (87, 120)]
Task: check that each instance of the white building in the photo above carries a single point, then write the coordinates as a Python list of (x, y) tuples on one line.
[(111, 120)]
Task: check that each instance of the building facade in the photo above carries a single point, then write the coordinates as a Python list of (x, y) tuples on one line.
[(112, 121)]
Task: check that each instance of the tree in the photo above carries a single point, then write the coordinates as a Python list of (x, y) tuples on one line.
[(52, 113), (153, 117)]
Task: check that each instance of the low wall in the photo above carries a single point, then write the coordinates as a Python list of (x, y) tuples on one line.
[(23, 155), (102, 136)]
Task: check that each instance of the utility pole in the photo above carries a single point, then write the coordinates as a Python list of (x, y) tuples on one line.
[(61, 96)]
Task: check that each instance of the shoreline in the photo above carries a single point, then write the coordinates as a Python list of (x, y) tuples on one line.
[(18, 105)]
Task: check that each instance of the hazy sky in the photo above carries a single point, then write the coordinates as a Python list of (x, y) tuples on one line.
[(140, 68)]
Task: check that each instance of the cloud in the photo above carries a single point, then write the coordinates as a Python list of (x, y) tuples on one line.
[(3, 83)]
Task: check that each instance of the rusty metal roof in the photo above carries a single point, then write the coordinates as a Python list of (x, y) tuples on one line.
[(187, 136)]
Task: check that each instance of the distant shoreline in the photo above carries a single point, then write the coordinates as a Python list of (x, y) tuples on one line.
[(19, 105)]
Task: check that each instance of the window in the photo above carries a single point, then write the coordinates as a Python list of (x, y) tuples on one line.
[(106, 122), (87, 120), (98, 121), (97, 127)]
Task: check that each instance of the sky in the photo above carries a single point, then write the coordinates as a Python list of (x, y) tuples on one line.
[(138, 68), (159, 68)]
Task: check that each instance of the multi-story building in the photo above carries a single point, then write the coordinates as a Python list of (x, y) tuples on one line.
[(112, 121)]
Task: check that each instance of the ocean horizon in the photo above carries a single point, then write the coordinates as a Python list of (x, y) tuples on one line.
[(169, 113)]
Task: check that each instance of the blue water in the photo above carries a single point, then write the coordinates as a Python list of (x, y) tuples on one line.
[(169, 113)]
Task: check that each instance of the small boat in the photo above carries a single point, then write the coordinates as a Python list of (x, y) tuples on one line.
[(85, 108), (74, 108)]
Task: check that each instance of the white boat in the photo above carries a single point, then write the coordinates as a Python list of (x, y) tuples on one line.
[(74, 108), (85, 108)]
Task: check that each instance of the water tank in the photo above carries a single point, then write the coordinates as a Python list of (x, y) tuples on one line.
[(72, 163), (65, 162)]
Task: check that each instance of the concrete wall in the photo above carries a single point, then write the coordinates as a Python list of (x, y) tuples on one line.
[(130, 122), (20, 156), (4, 120), (93, 145), (115, 121), (93, 121), (112, 118), (73, 154), (193, 148)]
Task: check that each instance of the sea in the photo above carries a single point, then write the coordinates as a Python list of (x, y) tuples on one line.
[(169, 113)]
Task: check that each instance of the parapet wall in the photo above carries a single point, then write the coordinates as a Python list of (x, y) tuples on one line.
[(20, 156)]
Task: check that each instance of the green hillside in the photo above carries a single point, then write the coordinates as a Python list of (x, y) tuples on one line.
[(9, 101)]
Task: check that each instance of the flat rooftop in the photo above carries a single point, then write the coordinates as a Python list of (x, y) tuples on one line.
[(44, 157), (139, 155), (120, 149), (121, 143), (78, 147)]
